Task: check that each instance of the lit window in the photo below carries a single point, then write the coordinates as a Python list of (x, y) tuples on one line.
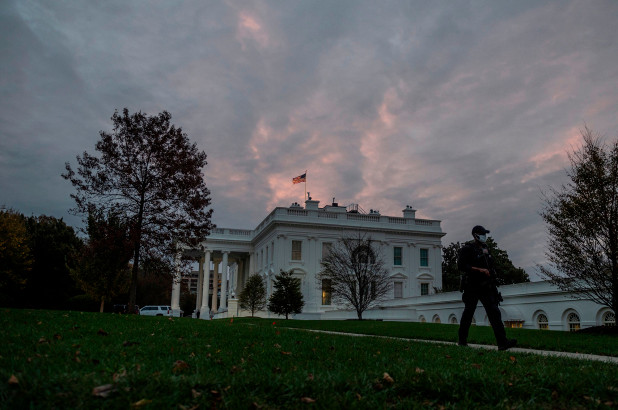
[(453, 320), (424, 257), (542, 322), (609, 319), (573, 322), (297, 250), (436, 319), (422, 319), (397, 255), (424, 289), (398, 290), (326, 291)]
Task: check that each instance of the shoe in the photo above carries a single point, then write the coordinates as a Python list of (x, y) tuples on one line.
[(509, 343)]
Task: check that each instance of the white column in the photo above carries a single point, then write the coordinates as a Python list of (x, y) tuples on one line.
[(215, 286), (251, 263), (200, 280), (204, 312), (224, 281), (176, 286)]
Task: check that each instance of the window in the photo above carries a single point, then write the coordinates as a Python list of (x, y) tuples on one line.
[(326, 249), (297, 250), (267, 256), (424, 257), (424, 289), (397, 255), (398, 290), (422, 319), (609, 319), (453, 320), (326, 292), (436, 319), (573, 322), (541, 321)]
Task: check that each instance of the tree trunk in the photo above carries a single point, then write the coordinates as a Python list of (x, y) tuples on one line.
[(136, 254), (102, 304), (360, 315)]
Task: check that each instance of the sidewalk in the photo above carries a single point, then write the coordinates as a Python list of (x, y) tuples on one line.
[(579, 356)]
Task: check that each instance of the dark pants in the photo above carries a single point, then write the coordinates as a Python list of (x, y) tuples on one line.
[(471, 298)]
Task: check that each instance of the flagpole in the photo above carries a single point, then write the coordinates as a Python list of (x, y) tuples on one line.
[(305, 185)]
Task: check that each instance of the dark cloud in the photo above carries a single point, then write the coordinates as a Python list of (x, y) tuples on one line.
[(464, 111)]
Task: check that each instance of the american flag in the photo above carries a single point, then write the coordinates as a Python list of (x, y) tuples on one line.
[(300, 178)]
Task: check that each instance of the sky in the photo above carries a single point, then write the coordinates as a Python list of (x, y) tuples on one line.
[(464, 110)]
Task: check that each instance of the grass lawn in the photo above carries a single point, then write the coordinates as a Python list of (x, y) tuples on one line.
[(54, 359), (606, 345)]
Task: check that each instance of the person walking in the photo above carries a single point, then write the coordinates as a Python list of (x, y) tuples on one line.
[(479, 284)]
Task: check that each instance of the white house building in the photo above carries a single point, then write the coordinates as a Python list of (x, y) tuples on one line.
[(295, 238)]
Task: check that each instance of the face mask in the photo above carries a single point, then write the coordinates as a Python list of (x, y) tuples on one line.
[(482, 238)]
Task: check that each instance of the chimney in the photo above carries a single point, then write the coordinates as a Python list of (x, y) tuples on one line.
[(409, 212)]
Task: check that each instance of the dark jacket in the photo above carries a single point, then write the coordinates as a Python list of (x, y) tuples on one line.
[(478, 256)]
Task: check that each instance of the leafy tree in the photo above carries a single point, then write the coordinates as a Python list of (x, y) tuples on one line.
[(15, 257), (55, 247), (150, 173), (103, 265), (357, 273), (582, 223), (287, 297), (450, 272), (253, 295), (507, 273)]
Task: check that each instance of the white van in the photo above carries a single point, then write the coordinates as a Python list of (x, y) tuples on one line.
[(156, 311)]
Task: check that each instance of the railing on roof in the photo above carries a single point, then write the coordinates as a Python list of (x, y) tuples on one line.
[(361, 217)]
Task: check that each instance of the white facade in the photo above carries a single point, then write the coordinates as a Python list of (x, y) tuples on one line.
[(293, 238)]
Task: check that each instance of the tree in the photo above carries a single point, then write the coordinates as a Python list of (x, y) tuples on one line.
[(150, 173), (507, 273), (253, 295), (103, 266), (55, 248), (287, 297), (450, 272), (582, 224), (15, 257), (356, 271)]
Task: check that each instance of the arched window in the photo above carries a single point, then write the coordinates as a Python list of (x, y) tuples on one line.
[(573, 322), (453, 320), (436, 319), (421, 319), (473, 321), (609, 319), (542, 322)]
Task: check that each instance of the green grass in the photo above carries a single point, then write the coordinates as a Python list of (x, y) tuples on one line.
[(58, 358), (533, 339)]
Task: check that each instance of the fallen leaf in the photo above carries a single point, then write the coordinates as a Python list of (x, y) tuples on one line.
[(42, 340), (195, 393), (478, 366), (387, 378), (104, 390), (286, 353), (13, 380), (307, 400), (102, 332), (192, 354), (118, 376), (277, 346), (419, 370), (359, 397), (554, 395), (142, 402), (310, 377), (448, 356), (127, 343), (57, 336), (179, 365), (513, 359)]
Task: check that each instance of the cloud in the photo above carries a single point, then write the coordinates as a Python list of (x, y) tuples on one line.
[(465, 111)]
